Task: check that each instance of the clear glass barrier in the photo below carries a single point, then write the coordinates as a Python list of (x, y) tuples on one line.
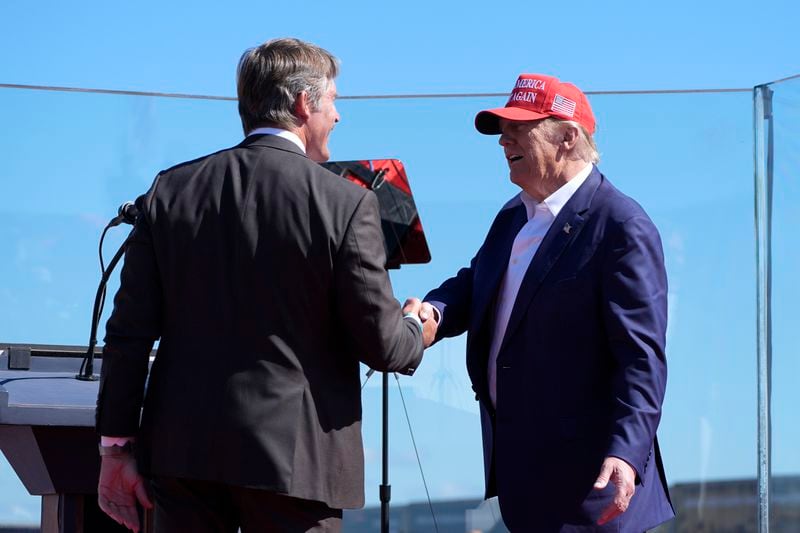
[(72, 159), (785, 486)]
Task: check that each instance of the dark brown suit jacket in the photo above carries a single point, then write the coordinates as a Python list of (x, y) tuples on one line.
[(263, 276)]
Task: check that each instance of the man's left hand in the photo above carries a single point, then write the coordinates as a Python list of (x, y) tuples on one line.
[(622, 475), (120, 488)]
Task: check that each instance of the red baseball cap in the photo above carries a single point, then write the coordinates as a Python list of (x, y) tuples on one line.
[(537, 96)]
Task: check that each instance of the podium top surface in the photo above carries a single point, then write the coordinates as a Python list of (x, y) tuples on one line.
[(47, 397)]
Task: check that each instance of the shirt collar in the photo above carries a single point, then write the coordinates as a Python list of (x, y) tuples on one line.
[(278, 132), (556, 201)]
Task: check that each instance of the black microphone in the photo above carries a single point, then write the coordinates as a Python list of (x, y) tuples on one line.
[(126, 213)]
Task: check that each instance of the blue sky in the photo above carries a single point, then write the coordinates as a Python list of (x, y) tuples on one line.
[(413, 46), (70, 159)]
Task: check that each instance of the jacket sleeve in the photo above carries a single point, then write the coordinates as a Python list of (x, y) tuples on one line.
[(635, 317), (455, 297), (133, 327), (453, 300), (366, 306)]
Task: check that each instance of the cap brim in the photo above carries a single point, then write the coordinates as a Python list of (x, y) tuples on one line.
[(488, 121)]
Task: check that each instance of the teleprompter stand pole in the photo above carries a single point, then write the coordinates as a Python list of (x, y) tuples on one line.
[(404, 242), (385, 488)]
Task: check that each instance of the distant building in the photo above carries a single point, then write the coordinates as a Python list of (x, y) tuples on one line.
[(709, 507), (730, 506), (451, 517)]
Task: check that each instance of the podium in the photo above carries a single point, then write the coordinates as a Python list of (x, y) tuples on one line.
[(47, 434)]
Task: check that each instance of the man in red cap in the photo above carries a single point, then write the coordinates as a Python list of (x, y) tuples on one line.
[(565, 306)]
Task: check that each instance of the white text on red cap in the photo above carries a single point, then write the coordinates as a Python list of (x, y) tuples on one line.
[(524, 96), (528, 83)]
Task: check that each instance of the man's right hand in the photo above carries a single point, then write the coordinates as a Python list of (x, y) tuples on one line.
[(623, 476), (119, 488), (427, 315)]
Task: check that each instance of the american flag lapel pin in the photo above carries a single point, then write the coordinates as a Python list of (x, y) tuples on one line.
[(567, 228)]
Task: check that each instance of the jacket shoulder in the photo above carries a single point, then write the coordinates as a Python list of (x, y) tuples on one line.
[(515, 201), (192, 164), (615, 205)]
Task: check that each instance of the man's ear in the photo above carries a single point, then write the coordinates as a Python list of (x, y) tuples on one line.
[(302, 106), (570, 138)]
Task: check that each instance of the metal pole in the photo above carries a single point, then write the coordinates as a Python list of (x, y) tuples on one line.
[(386, 489), (763, 121)]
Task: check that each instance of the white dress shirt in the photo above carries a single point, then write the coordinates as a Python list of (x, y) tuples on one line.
[(540, 218), (286, 134)]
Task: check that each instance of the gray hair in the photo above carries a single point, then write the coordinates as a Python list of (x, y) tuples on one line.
[(585, 149), (271, 76)]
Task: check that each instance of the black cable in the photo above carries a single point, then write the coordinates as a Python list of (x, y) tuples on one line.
[(373, 96), (103, 295), (419, 462), (87, 366), (100, 249), (102, 270), (369, 375)]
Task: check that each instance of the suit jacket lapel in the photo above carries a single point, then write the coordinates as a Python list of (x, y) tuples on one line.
[(493, 263), (489, 270), (565, 229)]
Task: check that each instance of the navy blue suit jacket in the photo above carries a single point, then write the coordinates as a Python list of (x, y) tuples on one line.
[(581, 371)]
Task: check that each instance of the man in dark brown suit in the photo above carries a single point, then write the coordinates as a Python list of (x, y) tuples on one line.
[(254, 266)]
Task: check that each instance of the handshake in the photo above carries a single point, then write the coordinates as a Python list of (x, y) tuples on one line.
[(428, 316)]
